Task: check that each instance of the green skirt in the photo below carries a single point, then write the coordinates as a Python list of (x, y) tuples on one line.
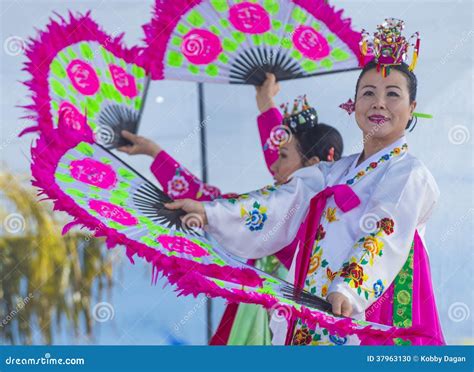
[(251, 323)]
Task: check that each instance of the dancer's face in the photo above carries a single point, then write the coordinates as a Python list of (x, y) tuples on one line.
[(383, 105), (289, 161)]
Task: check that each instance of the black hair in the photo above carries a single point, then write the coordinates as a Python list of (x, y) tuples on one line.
[(412, 82), (318, 140)]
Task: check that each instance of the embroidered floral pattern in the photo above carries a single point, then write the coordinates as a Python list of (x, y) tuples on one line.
[(336, 340), (353, 273), (324, 290), (279, 135), (208, 190), (330, 215), (320, 234), (315, 261), (264, 191), (378, 288), (330, 274), (183, 183), (386, 224), (395, 152), (372, 247), (233, 197), (305, 336), (402, 297), (255, 218), (178, 186), (302, 337)]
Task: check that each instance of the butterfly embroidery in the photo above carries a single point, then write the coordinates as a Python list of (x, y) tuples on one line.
[(331, 275), (331, 215)]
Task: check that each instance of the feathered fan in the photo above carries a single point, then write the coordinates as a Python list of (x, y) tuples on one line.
[(77, 70), (231, 41), (109, 197)]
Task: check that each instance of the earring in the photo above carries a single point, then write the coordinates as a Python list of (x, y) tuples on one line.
[(348, 106), (414, 119)]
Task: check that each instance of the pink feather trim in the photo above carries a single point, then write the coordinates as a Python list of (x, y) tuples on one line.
[(189, 277), (42, 50), (167, 14), (45, 157)]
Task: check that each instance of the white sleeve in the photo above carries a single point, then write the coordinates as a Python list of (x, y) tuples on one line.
[(403, 200), (262, 222)]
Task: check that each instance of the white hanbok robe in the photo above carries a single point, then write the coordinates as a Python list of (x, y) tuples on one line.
[(362, 250)]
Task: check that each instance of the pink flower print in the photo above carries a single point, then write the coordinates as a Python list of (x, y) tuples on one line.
[(249, 18), (310, 43), (113, 212), (201, 47), (181, 245), (93, 173), (83, 77), (123, 81), (177, 186)]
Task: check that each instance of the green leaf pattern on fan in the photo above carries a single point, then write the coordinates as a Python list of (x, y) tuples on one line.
[(272, 286), (105, 188), (86, 78), (209, 40)]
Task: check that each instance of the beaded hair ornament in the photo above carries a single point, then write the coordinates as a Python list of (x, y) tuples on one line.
[(387, 47), (302, 116)]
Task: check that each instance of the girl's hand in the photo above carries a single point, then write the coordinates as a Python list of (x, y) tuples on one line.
[(140, 145), (266, 92), (340, 304), (194, 209)]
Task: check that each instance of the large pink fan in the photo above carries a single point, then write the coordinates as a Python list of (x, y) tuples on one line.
[(80, 73), (232, 41), (78, 70), (110, 198)]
